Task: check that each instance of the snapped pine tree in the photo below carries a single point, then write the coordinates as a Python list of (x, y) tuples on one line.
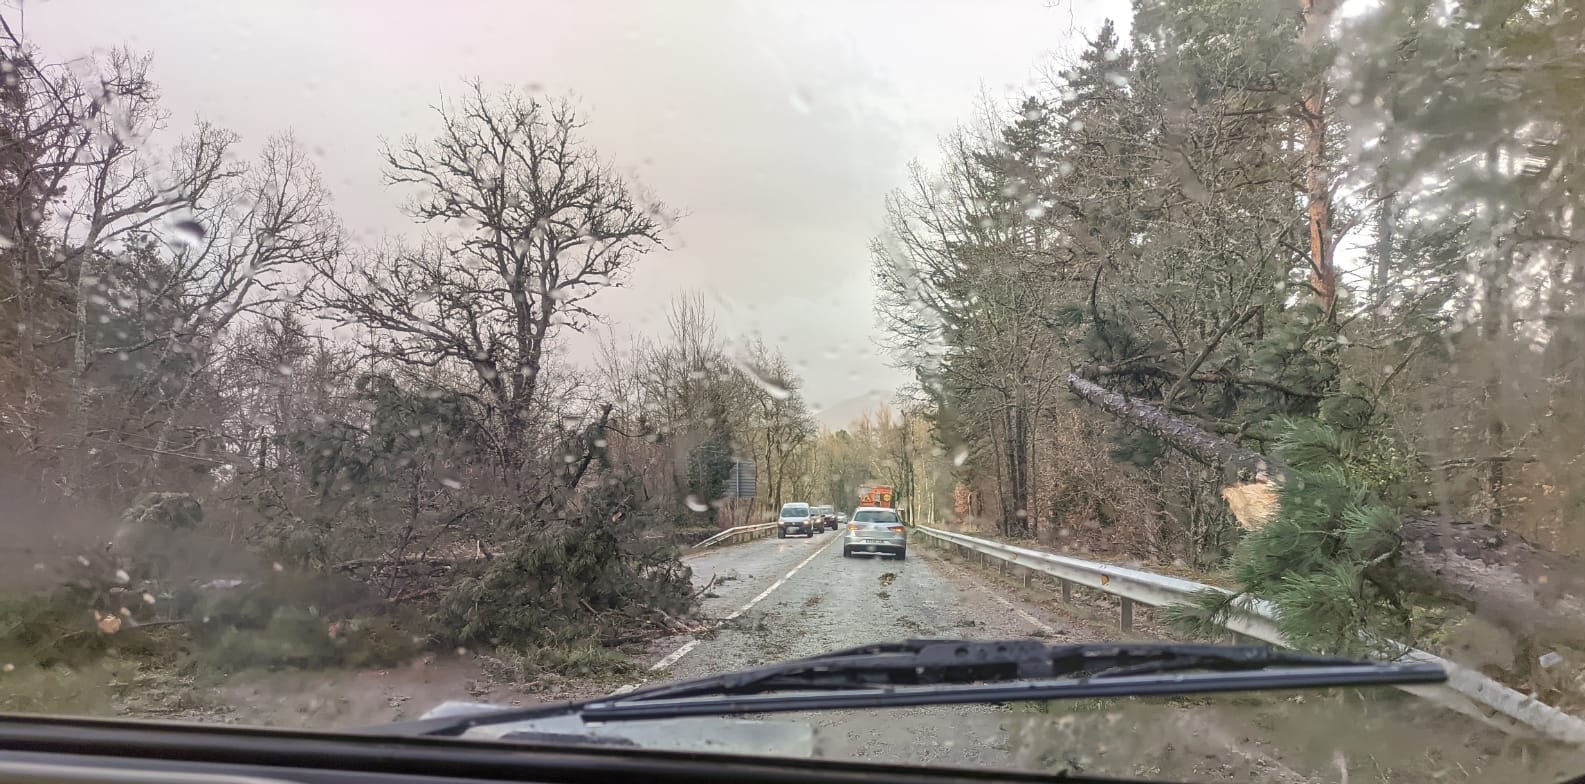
[(1492, 572)]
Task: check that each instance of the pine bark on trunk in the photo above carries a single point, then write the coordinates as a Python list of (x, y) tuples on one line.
[(1317, 177), (1184, 436)]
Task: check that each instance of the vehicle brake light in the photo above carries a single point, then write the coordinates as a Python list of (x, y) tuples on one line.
[(853, 526), (896, 529)]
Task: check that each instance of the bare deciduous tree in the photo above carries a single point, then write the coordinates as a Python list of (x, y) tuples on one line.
[(527, 223)]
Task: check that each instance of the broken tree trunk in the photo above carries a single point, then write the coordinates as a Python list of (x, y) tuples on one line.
[(1498, 575), (1492, 572), (1207, 448)]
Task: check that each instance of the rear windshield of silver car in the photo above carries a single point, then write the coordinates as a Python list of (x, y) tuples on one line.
[(795, 510), (876, 516)]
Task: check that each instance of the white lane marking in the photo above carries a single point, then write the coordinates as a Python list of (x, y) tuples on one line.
[(779, 583), (672, 657)]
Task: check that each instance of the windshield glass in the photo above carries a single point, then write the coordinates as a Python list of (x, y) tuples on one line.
[(874, 516), (353, 362)]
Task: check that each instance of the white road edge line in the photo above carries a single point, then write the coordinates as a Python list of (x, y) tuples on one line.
[(674, 656), (1022, 613), (1019, 611)]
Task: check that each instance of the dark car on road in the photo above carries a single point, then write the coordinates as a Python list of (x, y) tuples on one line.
[(825, 517)]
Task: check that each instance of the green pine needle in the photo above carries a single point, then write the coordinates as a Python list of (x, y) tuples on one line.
[(1315, 559)]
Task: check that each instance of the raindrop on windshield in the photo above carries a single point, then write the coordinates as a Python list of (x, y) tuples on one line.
[(696, 505), (774, 388), (188, 232)]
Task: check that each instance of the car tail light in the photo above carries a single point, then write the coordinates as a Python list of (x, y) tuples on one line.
[(896, 529), (853, 526)]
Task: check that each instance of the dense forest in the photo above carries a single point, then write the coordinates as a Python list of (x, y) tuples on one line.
[(1273, 287)]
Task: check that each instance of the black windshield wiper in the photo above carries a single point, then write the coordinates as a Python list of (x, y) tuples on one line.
[(918, 662), (940, 672)]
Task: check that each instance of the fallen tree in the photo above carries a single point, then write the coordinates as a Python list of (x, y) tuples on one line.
[(1493, 573)]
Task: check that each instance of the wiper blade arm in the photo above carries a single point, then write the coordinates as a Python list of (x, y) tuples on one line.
[(919, 662), (1135, 685), (938, 672)]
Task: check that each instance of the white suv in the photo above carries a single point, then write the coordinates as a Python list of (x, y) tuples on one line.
[(794, 520)]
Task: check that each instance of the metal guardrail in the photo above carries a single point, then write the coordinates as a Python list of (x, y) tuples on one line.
[(1466, 691), (737, 534)]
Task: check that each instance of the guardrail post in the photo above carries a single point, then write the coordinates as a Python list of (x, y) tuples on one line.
[(1067, 592), (1029, 576), (1125, 622)]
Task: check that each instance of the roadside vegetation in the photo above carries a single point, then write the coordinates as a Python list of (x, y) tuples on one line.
[(1255, 289), (1274, 290), (235, 436)]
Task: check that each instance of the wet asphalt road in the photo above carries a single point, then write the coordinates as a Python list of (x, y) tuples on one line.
[(831, 602), (780, 599)]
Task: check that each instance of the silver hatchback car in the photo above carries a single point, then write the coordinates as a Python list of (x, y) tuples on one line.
[(875, 530), (795, 519)]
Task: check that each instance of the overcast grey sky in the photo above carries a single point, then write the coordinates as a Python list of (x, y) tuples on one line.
[(776, 128)]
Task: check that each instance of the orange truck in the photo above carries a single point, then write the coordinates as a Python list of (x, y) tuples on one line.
[(877, 495)]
